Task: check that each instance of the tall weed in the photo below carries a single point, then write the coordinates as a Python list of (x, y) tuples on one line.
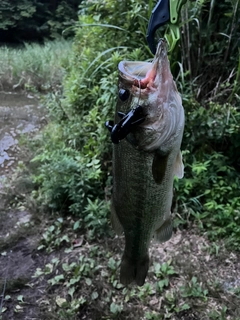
[(210, 48), (34, 66)]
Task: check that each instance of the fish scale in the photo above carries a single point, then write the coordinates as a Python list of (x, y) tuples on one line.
[(144, 164)]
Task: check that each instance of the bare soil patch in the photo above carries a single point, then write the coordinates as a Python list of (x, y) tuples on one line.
[(19, 259), (191, 255)]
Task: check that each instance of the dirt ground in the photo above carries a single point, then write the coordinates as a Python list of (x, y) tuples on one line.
[(26, 297), (21, 116)]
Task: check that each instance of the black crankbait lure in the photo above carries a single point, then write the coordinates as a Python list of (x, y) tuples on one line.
[(127, 123)]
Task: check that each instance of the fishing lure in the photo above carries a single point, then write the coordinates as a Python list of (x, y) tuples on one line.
[(127, 123)]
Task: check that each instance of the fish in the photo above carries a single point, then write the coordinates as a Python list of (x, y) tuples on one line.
[(145, 162)]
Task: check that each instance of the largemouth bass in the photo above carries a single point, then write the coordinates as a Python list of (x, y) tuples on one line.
[(144, 164)]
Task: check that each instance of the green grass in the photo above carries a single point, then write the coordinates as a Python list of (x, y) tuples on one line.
[(34, 66)]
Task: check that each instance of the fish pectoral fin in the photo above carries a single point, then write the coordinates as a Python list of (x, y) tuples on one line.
[(164, 233), (115, 221), (179, 166), (159, 167)]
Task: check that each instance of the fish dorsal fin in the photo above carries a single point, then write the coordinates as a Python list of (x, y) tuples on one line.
[(159, 167), (164, 233), (178, 166)]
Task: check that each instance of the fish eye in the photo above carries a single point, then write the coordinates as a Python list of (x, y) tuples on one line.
[(123, 94)]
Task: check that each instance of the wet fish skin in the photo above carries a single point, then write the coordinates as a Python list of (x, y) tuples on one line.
[(144, 164)]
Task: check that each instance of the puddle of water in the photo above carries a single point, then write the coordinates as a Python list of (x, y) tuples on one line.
[(19, 114)]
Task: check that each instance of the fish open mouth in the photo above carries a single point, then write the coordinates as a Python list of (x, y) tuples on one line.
[(134, 70), (142, 74)]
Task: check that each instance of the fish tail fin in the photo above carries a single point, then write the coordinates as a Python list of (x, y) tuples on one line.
[(134, 270)]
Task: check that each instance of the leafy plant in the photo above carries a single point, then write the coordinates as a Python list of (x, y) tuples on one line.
[(53, 238), (209, 190), (194, 289), (35, 20), (163, 273), (116, 308), (221, 314)]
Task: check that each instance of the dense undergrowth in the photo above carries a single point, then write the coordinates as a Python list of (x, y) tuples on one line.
[(75, 160), (34, 67)]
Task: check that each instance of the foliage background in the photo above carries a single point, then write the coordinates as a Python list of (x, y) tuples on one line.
[(34, 20), (75, 160)]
